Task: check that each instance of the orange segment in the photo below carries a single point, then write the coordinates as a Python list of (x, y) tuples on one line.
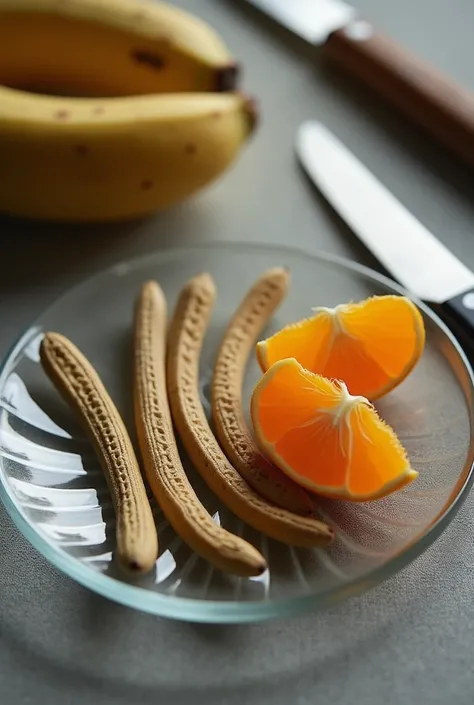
[(310, 340), (372, 345), (324, 438), (376, 448), (281, 413)]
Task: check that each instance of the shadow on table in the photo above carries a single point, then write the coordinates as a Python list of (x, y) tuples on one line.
[(37, 252), (66, 678)]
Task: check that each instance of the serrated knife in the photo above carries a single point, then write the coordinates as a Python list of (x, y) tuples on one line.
[(408, 250), (431, 100)]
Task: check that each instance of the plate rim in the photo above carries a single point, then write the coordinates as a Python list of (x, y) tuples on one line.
[(216, 611)]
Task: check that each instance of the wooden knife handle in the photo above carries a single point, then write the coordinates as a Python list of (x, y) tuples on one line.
[(429, 98)]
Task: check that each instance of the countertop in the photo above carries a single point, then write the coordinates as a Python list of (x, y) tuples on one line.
[(409, 640)]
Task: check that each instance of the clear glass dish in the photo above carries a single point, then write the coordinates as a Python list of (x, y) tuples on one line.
[(54, 490)]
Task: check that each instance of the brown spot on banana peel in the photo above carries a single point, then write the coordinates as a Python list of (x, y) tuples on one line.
[(62, 114), (163, 466), (148, 58), (186, 336), (233, 434), (79, 384)]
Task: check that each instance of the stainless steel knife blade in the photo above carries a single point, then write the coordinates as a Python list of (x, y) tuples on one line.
[(313, 20), (413, 255)]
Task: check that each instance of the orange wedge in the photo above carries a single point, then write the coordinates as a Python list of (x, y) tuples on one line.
[(324, 438), (372, 345)]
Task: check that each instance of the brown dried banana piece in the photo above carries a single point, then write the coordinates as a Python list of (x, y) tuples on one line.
[(232, 431), (186, 336), (81, 387), (163, 466)]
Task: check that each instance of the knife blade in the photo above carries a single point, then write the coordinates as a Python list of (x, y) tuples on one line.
[(431, 100), (407, 249)]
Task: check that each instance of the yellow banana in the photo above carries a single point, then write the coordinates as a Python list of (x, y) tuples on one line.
[(109, 48), (87, 159)]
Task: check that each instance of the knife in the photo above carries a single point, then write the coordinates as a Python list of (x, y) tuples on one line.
[(408, 250), (445, 110)]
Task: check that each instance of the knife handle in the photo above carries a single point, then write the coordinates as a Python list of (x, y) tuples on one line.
[(458, 313), (429, 98)]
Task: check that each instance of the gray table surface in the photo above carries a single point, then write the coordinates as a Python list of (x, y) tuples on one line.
[(410, 640)]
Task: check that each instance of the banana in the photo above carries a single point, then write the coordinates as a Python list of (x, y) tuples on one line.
[(87, 159), (111, 109), (109, 48)]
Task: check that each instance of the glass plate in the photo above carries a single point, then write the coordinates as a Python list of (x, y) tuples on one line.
[(54, 490)]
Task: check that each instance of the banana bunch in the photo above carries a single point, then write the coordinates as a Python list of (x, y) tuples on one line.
[(111, 109)]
